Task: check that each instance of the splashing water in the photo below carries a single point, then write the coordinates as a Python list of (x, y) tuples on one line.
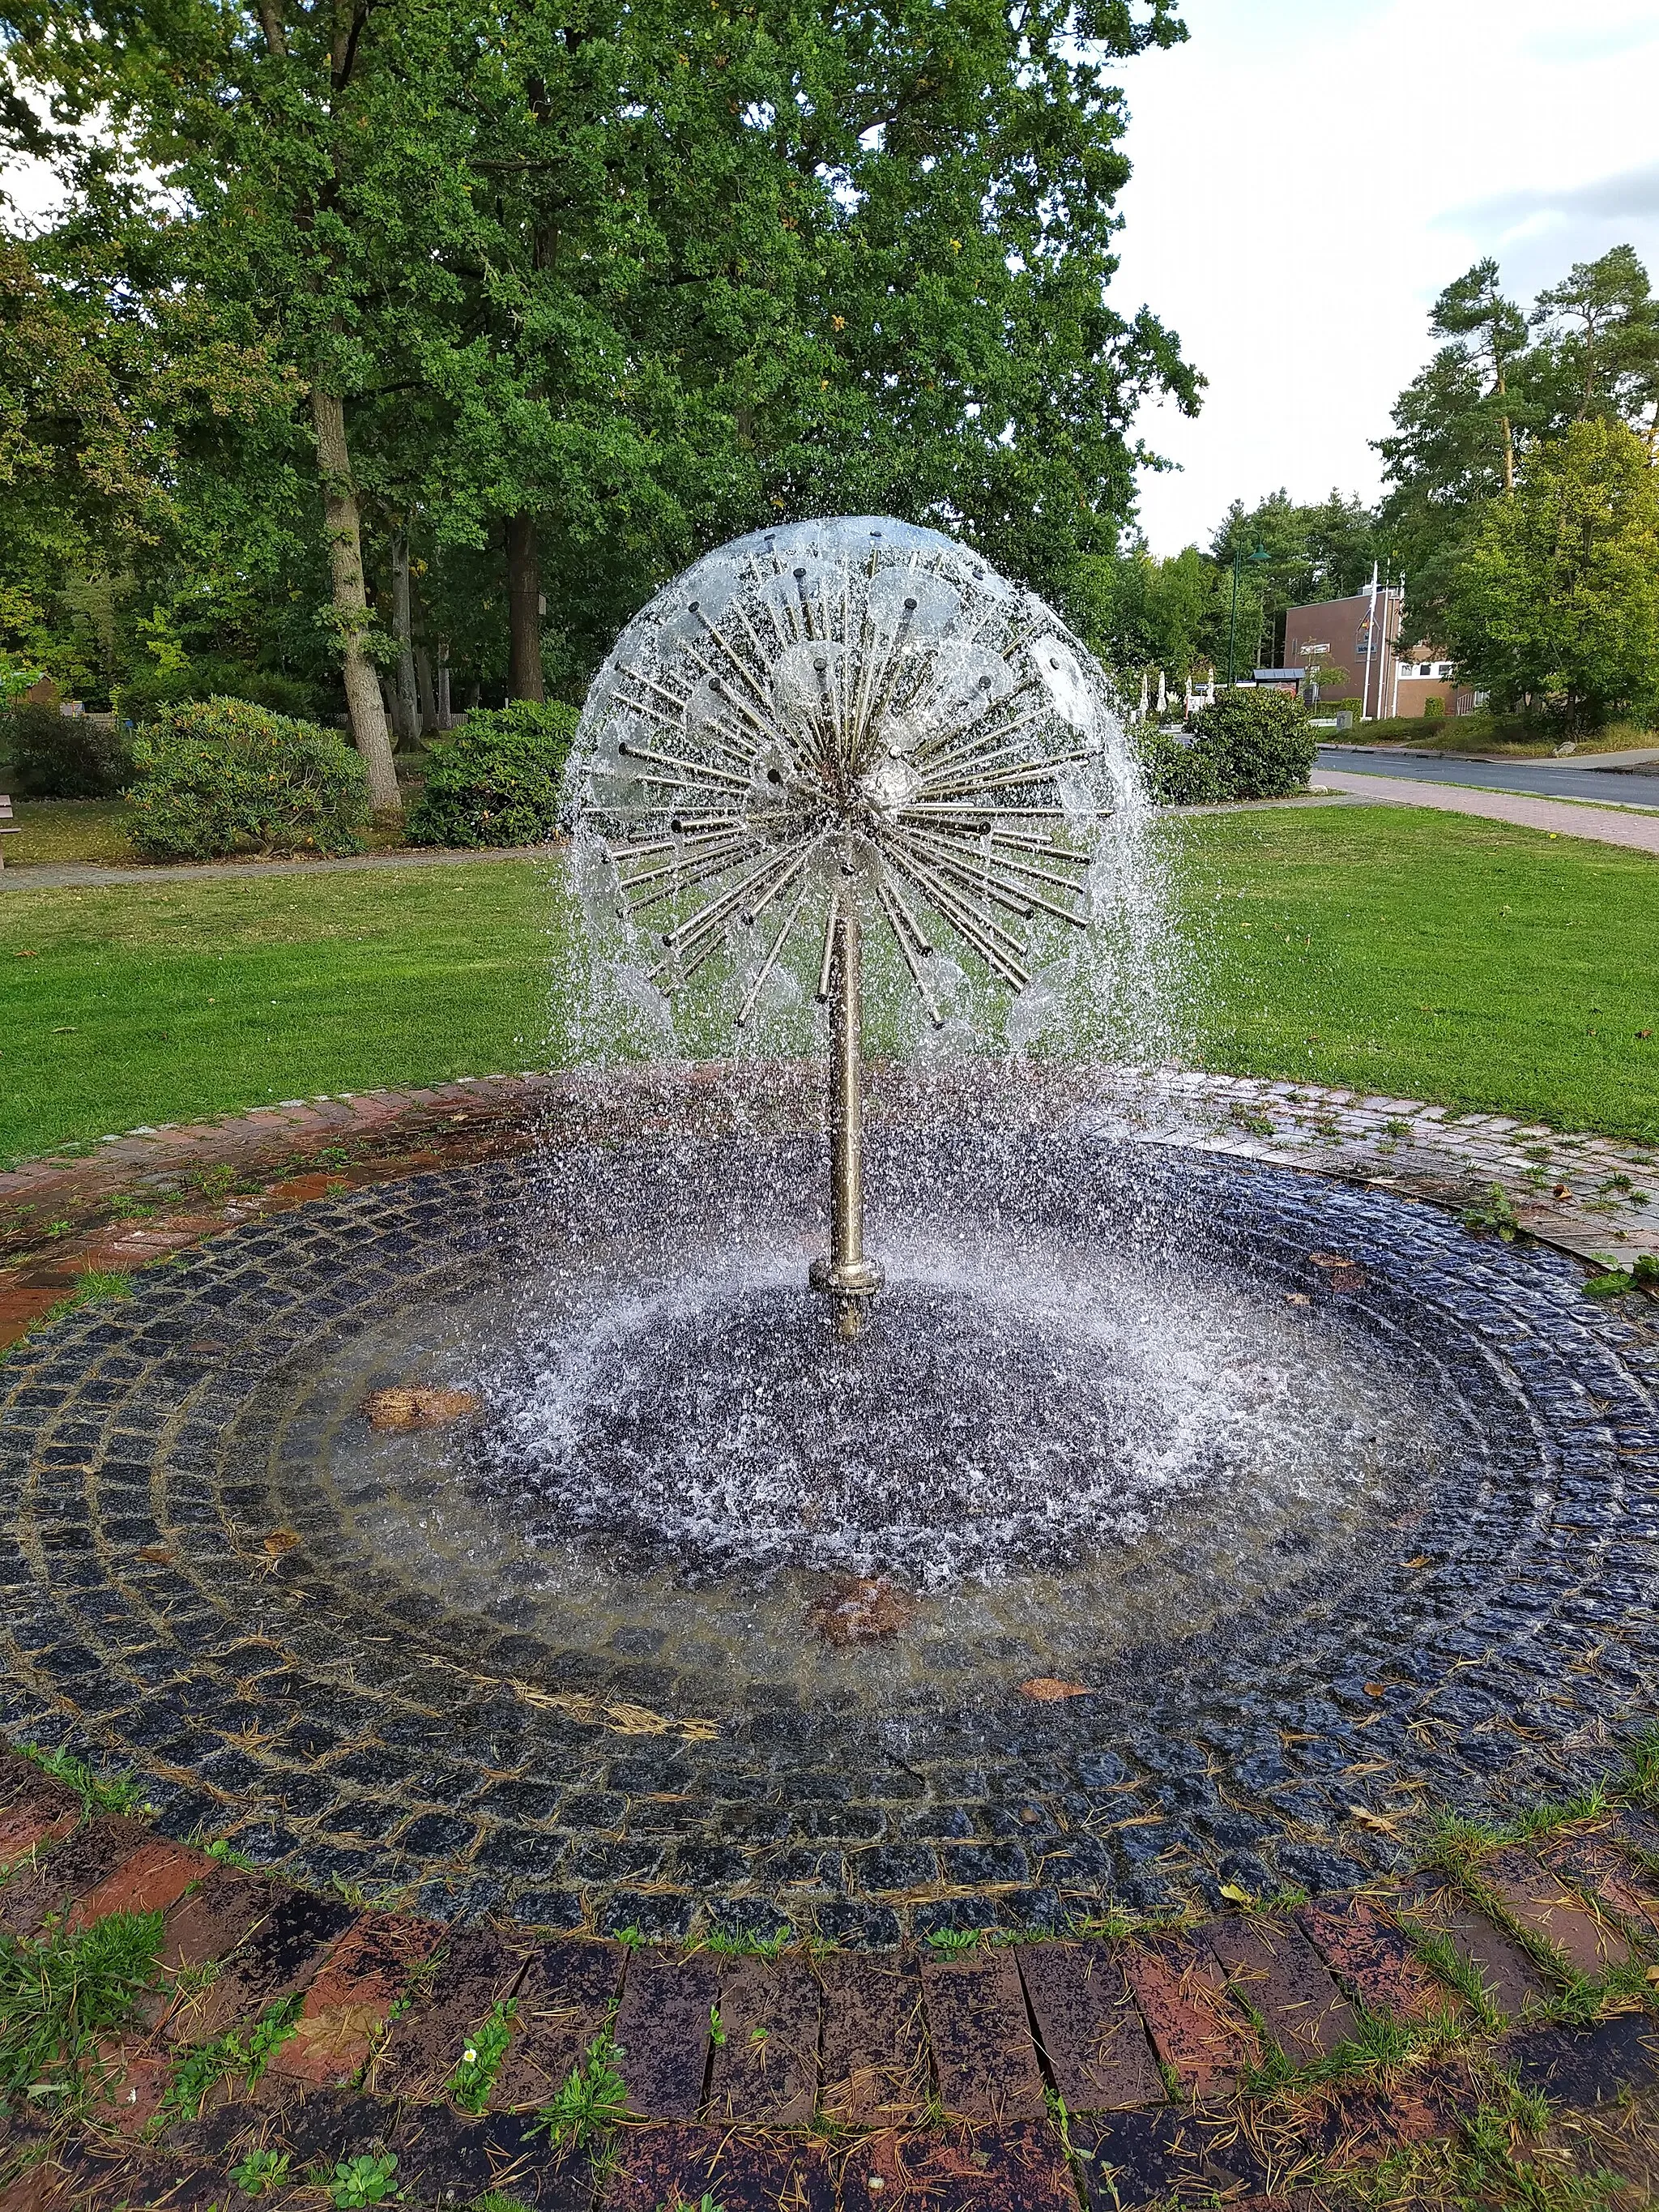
[(859, 709)]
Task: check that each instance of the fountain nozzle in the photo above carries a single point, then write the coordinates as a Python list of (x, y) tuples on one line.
[(847, 1275)]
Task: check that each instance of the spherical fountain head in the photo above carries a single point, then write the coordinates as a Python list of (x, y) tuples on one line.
[(852, 709)]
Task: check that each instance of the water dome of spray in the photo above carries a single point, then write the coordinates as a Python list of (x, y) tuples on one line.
[(828, 722)]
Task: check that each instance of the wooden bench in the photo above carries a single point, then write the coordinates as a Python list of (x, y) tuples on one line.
[(8, 826)]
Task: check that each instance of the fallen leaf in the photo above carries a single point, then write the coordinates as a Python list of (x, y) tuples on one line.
[(1297, 1298), (279, 1542), (1329, 1260), (1375, 1689), (1045, 1689), (1235, 1895), (26, 955), (866, 1610), (340, 2030), (1421, 1560), (157, 1554), (1367, 1819), (418, 1408)]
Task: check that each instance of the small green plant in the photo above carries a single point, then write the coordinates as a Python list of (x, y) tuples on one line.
[(631, 1939), (204, 2065), (1642, 1275), (61, 1995), (97, 1285), (746, 1945), (368, 2178), (716, 2032), (951, 1940), (226, 1854), (1254, 1125), (1495, 1215), (591, 2101), (480, 2062), (1397, 1126), (98, 1793), (261, 2170), (131, 1209)]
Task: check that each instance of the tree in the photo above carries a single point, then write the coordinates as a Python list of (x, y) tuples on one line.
[(1553, 605), (1601, 339), (571, 291)]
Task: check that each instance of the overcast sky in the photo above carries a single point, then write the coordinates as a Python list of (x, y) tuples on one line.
[(1310, 173)]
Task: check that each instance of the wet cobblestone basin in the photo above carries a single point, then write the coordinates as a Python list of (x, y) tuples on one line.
[(176, 1600)]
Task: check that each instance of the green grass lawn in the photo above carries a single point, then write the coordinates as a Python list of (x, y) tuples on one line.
[(1386, 949)]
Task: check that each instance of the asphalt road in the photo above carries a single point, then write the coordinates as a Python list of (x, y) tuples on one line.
[(1551, 778)]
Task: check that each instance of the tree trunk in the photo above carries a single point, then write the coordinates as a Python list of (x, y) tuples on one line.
[(423, 682), (408, 705), (524, 679), (364, 705), (446, 718)]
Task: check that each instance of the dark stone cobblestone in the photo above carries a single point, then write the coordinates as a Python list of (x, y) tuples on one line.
[(329, 1724)]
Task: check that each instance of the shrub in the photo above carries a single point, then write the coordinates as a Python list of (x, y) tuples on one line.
[(220, 775), (1177, 775), (498, 780), (57, 755), (1260, 741)]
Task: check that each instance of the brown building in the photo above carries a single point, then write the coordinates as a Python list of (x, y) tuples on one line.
[(1355, 640)]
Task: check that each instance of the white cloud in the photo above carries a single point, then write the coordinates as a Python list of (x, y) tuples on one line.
[(1310, 173)]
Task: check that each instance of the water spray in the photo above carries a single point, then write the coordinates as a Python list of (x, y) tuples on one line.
[(831, 727)]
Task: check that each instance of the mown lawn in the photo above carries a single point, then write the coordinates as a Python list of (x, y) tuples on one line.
[(1386, 949)]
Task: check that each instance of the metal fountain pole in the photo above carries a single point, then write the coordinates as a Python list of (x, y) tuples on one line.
[(847, 1277)]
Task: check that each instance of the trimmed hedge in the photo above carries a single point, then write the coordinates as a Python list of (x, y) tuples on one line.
[(217, 777), (1248, 745), (498, 780), (57, 755)]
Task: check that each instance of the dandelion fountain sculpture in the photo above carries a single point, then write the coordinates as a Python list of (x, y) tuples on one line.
[(823, 723)]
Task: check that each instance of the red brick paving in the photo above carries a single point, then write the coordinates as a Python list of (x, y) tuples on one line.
[(1544, 1906), (1272, 1968), (982, 2052), (348, 2000), (1373, 1960), (1181, 1993), (1090, 2027), (152, 1878)]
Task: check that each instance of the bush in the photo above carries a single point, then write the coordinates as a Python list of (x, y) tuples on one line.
[(1248, 745), (217, 777), (1177, 775), (498, 780), (57, 755)]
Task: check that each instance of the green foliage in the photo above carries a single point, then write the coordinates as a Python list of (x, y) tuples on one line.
[(1495, 1215), (1643, 1275), (98, 1793), (590, 2102), (222, 776), (56, 755), (261, 2170), (950, 1940), (498, 783), (1554, 605), (230, 2057), (1262, 741), (480, 2062), (370, 2178), (1248, 745), (61, 1995)]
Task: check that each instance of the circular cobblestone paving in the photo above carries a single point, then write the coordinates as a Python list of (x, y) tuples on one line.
[(562, 1657)]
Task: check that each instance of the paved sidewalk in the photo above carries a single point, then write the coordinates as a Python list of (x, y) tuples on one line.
[(1559, 817)]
